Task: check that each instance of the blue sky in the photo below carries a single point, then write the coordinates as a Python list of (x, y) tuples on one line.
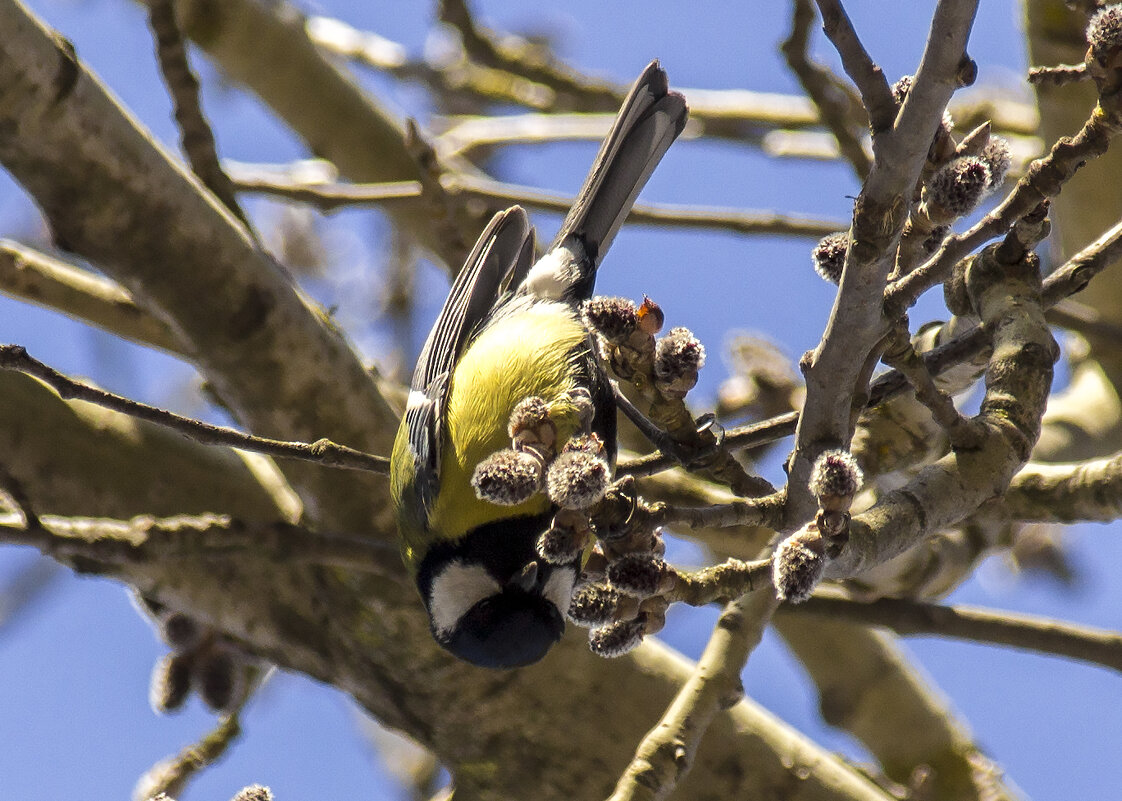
[(74, 668)]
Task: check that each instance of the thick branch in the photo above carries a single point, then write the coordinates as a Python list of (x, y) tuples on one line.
[(111, 544), (839, 368), (869, 687), (37, 278), (1067, 493), (278, 366)]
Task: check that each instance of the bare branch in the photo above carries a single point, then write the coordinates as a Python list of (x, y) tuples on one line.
[(901, 355), (838, 370), (1067, 493), (116, 543), (1059, 74), (1027, 632), (868, 77), (825, 90), (498, 195), (869, 686), (50, 282), (667, 752), (197, 138), (170, 777), (763, 511), (323, 451)]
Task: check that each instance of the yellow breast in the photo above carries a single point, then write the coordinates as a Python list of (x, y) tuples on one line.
[(522, 354)]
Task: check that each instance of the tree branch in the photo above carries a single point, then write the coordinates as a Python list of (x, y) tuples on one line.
[(823, 88), (1025, 632), (667, 753), (322, 451), (838, 370), (498, 195), (32, 276), (113, 544)]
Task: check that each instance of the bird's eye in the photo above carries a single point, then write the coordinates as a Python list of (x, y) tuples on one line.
[(455, 590)]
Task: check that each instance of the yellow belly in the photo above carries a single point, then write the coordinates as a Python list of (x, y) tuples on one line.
[(523, 354)]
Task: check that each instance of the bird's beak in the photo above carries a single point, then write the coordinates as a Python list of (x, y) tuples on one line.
[(527, 578)]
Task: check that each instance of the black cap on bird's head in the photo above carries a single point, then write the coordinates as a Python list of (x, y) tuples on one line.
[(491, 599)]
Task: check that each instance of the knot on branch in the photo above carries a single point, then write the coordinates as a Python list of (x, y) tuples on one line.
[(974, 278)]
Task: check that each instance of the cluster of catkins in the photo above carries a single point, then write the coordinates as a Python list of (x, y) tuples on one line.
[(958, 176), (201, 659), (621, 597), (800, 560), (625, 334), (574, 478)]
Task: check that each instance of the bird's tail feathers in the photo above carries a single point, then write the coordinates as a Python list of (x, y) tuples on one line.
[(650, 119)]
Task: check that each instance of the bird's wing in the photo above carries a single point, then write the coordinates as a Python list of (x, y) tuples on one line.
[(504, 248)]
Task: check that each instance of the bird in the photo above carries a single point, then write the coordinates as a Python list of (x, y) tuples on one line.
[(511, 329)]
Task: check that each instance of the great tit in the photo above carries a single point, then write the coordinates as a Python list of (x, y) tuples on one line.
[(511, 329)]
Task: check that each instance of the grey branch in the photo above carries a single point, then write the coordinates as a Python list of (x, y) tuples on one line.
[(1026, 632), (323, 451)]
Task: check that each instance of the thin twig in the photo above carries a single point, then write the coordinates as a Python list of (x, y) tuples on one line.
[(823, 87), (171, 776), (499, 195), (962, 432), (745, 437), (732, 114), (521, 57), (323, 451), (1059, 75), (1028, 632), (196, 135), (762, 511), (689, 217), (726, 581), (869, 78), (327, 197)]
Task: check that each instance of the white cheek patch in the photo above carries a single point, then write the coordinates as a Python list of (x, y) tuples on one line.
[(559, 589), (455, 590)]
